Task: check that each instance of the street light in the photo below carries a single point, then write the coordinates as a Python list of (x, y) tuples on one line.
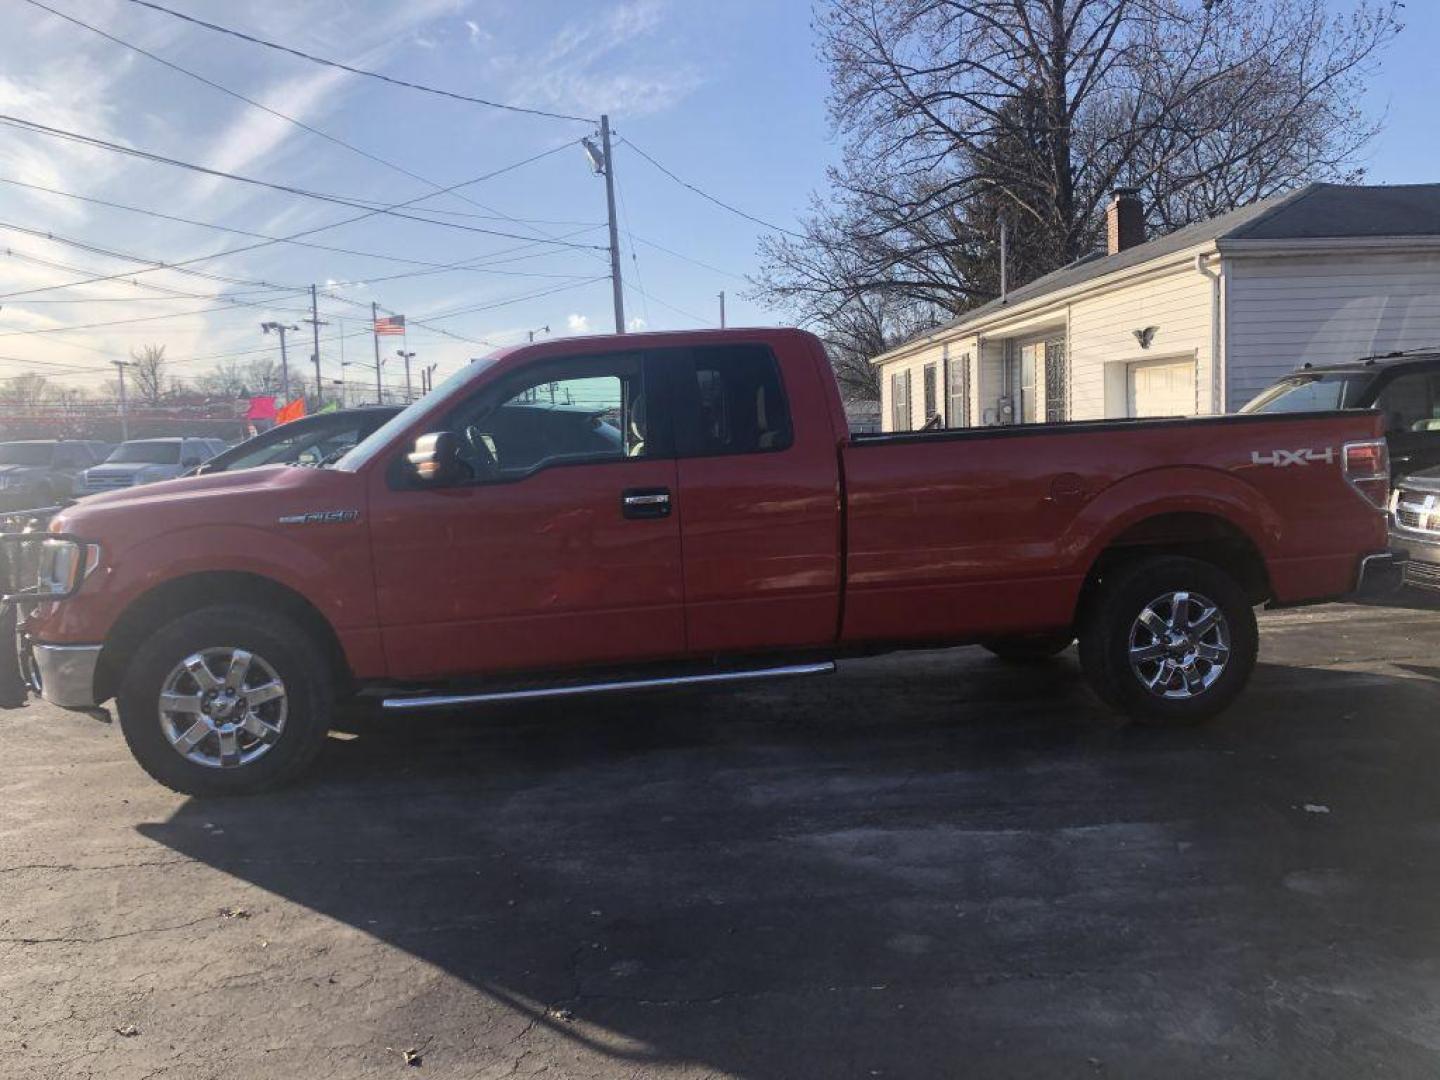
[(281, 328), (407, 357)]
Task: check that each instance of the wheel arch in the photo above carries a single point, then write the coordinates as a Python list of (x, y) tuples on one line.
[(1203, 535), (189, 592)]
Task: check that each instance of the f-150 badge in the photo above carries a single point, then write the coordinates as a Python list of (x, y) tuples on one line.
[(1282, 458), (321, 517)]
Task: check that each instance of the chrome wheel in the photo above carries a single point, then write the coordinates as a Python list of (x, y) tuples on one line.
[(1179, 645), (222, 708)]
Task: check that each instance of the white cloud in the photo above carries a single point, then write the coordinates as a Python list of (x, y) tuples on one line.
[(577, 324), (607, 61), (637, 324)]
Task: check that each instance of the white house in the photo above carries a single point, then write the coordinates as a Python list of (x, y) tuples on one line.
[(1197, 321)]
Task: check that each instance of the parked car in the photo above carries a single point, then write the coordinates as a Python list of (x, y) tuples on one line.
[(40, 472), (1415, 527), (144, 461), (700, 514), (313, 440), (1405, 387)]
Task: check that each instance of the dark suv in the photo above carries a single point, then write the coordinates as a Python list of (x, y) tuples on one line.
[(1404, 386), (39, 472)]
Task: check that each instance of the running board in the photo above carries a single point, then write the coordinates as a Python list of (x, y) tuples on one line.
[(443, 701)]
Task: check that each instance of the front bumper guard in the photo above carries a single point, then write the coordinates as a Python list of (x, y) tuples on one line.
[(63, 675)]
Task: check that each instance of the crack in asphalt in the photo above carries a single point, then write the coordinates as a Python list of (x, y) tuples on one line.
[(106, 937)]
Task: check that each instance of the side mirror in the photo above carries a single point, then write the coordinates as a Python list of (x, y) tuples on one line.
[(435, 461)]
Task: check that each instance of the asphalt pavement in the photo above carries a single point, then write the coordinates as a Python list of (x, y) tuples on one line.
[(930, 865)]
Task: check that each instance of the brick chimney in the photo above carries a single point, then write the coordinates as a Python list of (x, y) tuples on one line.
[(1124, 221)]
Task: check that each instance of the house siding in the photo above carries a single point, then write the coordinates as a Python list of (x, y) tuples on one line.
[(915, 363), (1103, 343), (1323, 309)]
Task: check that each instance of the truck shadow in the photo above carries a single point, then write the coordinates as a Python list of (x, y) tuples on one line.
[(921, 862)]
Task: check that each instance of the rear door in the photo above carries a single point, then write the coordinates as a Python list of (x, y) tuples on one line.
[(758, 500), (562, 550)]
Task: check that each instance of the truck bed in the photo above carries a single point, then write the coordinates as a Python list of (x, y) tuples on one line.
[(988, 530)]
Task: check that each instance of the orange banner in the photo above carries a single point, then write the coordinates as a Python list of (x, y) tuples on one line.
[(294, 410)]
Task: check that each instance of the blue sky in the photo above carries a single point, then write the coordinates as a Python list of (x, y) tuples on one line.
[(728, 95)]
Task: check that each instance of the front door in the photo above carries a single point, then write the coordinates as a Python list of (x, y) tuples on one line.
[(560, 550)]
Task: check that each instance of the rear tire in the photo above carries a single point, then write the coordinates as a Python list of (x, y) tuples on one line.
[(1033, 649), (1169, 640), (217, 738)]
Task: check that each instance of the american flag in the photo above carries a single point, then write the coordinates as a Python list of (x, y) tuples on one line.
[(390, 324)]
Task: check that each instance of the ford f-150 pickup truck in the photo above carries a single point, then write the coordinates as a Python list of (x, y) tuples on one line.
[(597, 514)]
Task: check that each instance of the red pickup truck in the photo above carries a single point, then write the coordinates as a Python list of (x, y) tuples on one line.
[(597, 514)]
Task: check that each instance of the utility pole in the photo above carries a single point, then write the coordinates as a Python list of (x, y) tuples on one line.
[(429, 374), (603, 162), (120, 366), (281, 329), (315, 325), (722, 309), (375, 332), (407, 357), (538, 330)]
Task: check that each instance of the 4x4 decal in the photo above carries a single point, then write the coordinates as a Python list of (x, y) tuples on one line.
[(1282, 458)]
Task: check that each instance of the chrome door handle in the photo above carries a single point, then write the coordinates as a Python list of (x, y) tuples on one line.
[(645, 502)]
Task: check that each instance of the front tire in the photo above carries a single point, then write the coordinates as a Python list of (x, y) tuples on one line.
[(1169, 640), (228, 700)]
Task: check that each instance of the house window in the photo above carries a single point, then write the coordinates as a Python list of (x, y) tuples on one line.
[(900, 401), (957, 392), (931, 393), (1056, 382)]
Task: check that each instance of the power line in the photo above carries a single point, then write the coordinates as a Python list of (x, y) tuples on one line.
[(491, 305), (361, 71), (154, 264), (289, 189), (119, 322), (494, 214), (296, 235), (256, 235), (698, 191), (166, 293), (686, 258)]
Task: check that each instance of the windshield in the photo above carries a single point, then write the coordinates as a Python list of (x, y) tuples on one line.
[(20, 453), (313, 444), (145, 453), (368, 447), (1311, 393)]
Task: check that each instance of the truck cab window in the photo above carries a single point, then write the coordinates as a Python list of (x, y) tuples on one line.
[(740, 405), (554, 418)]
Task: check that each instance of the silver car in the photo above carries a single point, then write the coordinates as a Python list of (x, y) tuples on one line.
[(144, 461)]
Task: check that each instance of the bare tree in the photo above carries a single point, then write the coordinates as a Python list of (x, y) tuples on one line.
[(227, 379), (27, 389), (264, 378), (956, 113), (147, 376)]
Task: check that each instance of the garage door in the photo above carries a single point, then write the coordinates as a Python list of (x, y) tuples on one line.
[(1162, 388)]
